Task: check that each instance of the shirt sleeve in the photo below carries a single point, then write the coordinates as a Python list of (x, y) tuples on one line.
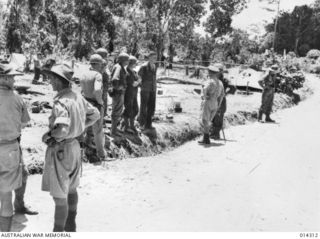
[(61, 115), (98, 88), (221, 94), (25, 117), (92, 113), (116, 73), (207, 90), (262, 81), (98, 82)]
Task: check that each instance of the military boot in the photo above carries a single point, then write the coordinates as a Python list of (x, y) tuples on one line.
[(205, 140), (5, 224), (215, 134), (268, 119), (57, 228)]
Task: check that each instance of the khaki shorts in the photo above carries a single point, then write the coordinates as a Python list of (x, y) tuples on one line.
[(10, 166), (62, 169)]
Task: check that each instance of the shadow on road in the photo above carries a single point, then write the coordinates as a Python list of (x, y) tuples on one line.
[(213, 145), (227, 140)]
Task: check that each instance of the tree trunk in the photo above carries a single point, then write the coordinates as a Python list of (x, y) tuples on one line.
[(298, 37), (296, 46), (80, 31), (171, 54), (57, 34), (160, 43)]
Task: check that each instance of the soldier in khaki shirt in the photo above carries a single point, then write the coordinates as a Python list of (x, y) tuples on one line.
[(268, 85), (105, 78), (13, 174), (213, 93), (148, 93), (91, 83), (117, 91), (71, 115)]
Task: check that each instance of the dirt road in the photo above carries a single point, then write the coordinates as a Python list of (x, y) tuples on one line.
[(266, 178)]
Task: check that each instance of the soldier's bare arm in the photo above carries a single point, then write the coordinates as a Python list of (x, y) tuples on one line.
[(61, 125), (25, 117), (92, 114)]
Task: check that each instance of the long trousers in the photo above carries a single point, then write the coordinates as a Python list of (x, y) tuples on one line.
[(95, 134), (147, 107)]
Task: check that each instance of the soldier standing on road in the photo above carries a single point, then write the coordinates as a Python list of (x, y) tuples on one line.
[(91, 85), (213, 93), (105, 78), (130, 99), (13, 173), (217, 122), (70, 116), (268, 85), (148, 74), (117, 90)]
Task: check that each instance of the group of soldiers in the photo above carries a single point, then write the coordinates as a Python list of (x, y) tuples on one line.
[(214, 102), (74, 114), (122, 86)]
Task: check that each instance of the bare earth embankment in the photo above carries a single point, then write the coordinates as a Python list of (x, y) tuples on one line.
[(264, 179), (169, 133)]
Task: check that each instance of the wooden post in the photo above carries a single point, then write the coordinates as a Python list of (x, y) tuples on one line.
[(275, 27)]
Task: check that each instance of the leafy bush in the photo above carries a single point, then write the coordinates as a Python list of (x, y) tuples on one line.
[(244, 56), (287, 83), (256, 62), (313, 54), (305, 64), (291, 54), (304, 49), (315, 69), (82, 50), (301, 63)]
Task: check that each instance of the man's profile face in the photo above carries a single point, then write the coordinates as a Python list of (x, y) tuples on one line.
[(97, 66)]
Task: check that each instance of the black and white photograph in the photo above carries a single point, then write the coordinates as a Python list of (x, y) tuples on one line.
[(159, 116)]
